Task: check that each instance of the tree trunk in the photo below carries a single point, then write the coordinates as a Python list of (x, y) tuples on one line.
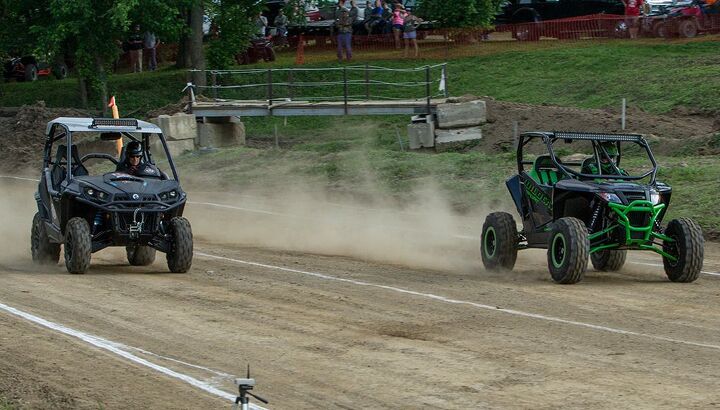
[(82, 85), (183, 52), (102, 83), (197, 56)]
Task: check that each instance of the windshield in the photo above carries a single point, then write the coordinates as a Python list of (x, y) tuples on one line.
[(104, 156), (611, 159)]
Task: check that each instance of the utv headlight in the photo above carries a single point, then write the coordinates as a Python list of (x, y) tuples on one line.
[(169, 195), (610, 197), (654, 197), (96, 194)]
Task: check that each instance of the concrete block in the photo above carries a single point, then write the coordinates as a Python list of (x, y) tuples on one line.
[(178, 126), (446, 140), (421, 134), (176, 147), (466, 114), (217, 135)]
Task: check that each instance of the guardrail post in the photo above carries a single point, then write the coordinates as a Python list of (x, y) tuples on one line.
[(213, 79), (345, 90), (445, 80), (427, 87), (367, 82), (290, 83)]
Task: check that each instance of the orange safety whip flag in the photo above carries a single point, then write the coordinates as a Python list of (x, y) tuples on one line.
[(116, 114)]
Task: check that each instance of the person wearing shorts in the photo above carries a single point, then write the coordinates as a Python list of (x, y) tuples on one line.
[(398, 21), (632, 16), (410, 33)]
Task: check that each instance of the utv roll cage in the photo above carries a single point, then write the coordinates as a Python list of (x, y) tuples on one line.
[(549, 138)]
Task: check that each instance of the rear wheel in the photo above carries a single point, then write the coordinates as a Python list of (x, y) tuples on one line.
[(43, 252), (608, 260), (31, 72), (688, 28), (139, 255), (78, 245), (269, 54), (499, 242), (686, 247), (179, 258), (60, 71), (568, 251)]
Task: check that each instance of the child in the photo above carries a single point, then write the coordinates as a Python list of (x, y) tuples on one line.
[(410, 33)]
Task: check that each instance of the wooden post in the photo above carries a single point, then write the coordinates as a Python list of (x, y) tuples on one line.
[(213, 79), (345, 90), (367, 82), (269, 88), (427, 87), (290, 84)]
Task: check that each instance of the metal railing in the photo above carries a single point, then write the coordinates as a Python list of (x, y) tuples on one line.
[(329, 84)]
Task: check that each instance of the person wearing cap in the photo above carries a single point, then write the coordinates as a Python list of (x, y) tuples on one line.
[(398, 20), (344, 36)]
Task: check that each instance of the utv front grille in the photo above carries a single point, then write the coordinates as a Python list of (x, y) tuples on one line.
[(124, 220)]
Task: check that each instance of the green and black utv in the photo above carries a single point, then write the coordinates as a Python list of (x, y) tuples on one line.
[(576, 200)]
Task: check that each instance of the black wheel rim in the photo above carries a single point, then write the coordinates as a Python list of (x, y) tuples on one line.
[(490, 244), (558, 250)]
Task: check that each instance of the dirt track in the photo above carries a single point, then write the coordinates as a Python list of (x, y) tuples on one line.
[(355, 338)]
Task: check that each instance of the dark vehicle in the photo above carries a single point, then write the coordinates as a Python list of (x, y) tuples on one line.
[(587, 205), (261, 48), (687, 21), (537, 11), (28, 68), (86, 213)]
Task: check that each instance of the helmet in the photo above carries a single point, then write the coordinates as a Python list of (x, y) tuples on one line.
[(610, 148), (134, 149)]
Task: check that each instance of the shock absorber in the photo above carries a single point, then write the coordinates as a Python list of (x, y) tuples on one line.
[(97, 222), (595, 215)]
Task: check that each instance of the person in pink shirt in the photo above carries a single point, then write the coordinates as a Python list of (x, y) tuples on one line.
[(632, 16), (398, 20)]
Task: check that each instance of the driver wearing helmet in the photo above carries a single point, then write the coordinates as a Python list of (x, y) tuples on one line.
[(608, 152), (133, 163)]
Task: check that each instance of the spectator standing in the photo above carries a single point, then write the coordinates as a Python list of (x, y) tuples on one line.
[(344, 36), (150, 43), (410, 33), (632, 16), (281, 22), (261, 23), (398, 19), (135, 47)]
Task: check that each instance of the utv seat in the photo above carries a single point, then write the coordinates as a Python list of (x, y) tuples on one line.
[(544, 171), (59, 170)]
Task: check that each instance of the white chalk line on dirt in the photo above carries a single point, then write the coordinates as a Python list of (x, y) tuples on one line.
[(464, 302), (237, 208), (117, 348)]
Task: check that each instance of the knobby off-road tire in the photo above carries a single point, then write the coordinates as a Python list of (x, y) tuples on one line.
[(43, 251), (78, 245), (31, 72), (140, 255), (498, 244), (179, 258), (568, 250), (608, 260), (688, 248)]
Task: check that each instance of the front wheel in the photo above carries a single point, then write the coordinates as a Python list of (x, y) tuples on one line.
[(568, 250), (686, 248), (140, 255), (78, 245), (499, 242), (688, 28), (608, 260), (43, 251), (179, 258)]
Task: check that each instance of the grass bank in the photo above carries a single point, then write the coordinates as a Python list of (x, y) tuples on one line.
[(655, 75)]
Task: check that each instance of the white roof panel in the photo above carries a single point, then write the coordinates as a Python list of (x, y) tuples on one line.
[(78, 124)]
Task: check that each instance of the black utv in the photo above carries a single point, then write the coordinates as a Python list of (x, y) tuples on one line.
[(576, 200), (137, 207)]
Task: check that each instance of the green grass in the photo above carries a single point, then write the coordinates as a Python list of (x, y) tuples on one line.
[(655, 75), (6, 405)]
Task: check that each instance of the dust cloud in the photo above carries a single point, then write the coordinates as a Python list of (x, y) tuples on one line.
[(426, 233), (17, 207)]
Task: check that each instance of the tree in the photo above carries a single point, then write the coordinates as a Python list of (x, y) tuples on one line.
[(235, 20), (462, 13)]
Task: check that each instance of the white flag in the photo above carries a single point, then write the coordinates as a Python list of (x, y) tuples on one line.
[(441, 88)]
